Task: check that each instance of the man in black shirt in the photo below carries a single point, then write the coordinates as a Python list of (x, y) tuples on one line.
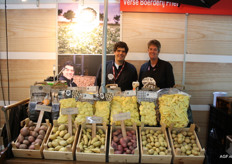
[(118, 71), (159, 70), (68, 74)]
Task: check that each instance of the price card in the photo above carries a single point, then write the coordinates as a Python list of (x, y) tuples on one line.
[(94, 119), (113, 87), (88, 96), (43, 107), (122, 116), (69, 111), (91, 88), (130, 93), (152, 95)]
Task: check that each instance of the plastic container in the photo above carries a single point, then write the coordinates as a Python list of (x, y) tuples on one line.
[(218, 94)]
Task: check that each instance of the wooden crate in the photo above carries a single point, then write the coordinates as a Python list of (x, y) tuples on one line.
[(145, 158), (58, 155), (93, 157), (123, 158), (183, 159), (27, 153), (225, 103)]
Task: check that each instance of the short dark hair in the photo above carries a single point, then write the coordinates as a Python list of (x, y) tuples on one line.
[(121, 45), (69, 63), (155, 43)]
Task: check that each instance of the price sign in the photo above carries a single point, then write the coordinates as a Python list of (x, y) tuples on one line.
[(152, 95), (88, 96), (69, 111), (122, 116), (130, 93), (43, 108), (94, 119), (91, 88), (113, 87)]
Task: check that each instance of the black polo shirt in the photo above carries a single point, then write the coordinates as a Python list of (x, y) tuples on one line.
[(124, 80), (162, 73)]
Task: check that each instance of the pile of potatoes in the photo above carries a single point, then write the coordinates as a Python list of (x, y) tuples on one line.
[(123, 145), (60, 139), (88, 144), (30, 136), (154, 142), (185, 142)]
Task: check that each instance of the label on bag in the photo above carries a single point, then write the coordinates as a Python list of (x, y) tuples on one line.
[(151, 95), (130, 93), (91, 88), (43, 107), (69, 111), (93, 119), (122, 116), (88, 96)]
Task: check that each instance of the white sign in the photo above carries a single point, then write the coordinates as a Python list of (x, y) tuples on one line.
[(122, 116), (130, 93), (94, 119), (91, 88), (43, 107), (88, 96), (152, 95), (69, 111)]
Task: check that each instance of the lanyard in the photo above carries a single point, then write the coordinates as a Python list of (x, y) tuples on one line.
[(150, 68), (115, 78)]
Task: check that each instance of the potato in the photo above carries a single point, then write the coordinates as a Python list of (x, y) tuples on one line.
[(40, 137), (43, 127), (66, 136), (26, 142), (32, 147), (17, 144), (30, 123), (38, 141), (20, 138), (24, 131), (23, 146), (36, 129), (42, 132), (54, 129), (61, 127), (115, 139), (31, 139), (70, 140)]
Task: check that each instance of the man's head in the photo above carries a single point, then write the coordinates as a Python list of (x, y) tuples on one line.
[(120, 52), (69, 70), (153, 49)]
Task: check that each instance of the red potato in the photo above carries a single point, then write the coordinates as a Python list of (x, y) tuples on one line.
[(129, 144), (17, 144), (119, 148), (114, 145), (36, 129), (134, 137), (115, 139), (128, 151), (133, 151), (39, 141), (129, 134), (24, 131), (131, 148), (32, 147), (23, 146), (43, 127), (123, 142), (31, 128), (34, 134), (40, 137), (115, 133), (31, 139), (132, 132), (119, 131), (26, 142), (20, 138), (119, 136), (42, 132)]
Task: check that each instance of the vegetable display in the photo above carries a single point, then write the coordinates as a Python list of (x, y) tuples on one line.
[(66, 103), (173, 110), (84, 109), (92, 145), (123, 105), (185, 142), (103, 110), (60, 139), (148, 113), (30, 136), (154, 142), (123, 145)]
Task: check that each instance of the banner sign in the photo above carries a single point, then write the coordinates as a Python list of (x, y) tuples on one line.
[(223, 7)]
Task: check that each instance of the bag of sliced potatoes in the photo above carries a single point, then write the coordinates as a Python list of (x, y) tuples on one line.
[(173, 106)]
